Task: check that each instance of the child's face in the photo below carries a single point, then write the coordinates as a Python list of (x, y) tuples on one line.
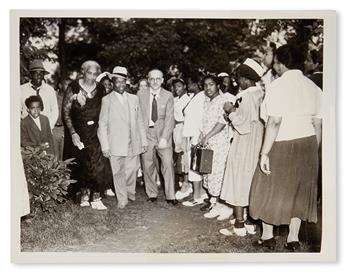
[(107, 85), (35, 109)]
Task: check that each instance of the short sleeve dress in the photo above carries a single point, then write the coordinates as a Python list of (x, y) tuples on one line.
[(244, 149), (220, 143)]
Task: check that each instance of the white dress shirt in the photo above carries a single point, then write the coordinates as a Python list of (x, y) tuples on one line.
[(122, 97), (37, 122), (48, 95), (179, 104)]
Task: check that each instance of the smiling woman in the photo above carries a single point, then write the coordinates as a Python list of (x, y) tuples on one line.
[(81, 108)]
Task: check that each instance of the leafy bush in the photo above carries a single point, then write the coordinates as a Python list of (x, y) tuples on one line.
[(48, 178)]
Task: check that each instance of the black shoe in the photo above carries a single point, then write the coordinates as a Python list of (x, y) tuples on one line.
[(173, 202), (269, 243), (206, 207), (152, 199), (292, 246)]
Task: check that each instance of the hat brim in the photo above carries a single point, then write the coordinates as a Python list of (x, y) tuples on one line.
[(39, 70), (117, 75)]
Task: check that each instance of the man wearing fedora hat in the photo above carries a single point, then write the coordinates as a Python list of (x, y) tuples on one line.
[(122, 136), (37, 86)]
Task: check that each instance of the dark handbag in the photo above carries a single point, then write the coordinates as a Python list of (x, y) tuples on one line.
[(201, 159)]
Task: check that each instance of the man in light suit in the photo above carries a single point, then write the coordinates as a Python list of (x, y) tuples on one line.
[(122, 136), (157, 107)]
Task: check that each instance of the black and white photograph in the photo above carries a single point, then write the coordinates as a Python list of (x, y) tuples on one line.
[(160, 133)]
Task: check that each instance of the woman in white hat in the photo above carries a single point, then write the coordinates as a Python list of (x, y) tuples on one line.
[(244, 150), (81, 107)]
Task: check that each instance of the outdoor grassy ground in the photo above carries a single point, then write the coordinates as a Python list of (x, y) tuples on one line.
[(142, 227)]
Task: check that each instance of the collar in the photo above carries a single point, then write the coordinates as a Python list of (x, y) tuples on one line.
[(39, 87), (152, 92), (248, 90)]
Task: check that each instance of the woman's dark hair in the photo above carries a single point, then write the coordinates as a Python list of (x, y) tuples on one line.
[(216, 79), (32, 99), (291, 56)]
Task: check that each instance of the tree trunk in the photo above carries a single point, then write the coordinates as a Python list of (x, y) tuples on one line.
[(62, 53)]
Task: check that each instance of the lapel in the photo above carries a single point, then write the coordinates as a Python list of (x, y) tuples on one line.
[(34, 128), (117, 105), (146, 106)]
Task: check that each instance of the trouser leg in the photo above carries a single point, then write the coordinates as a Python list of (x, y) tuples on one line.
[(167, 167), (119, 178), (151, 187), (132, 167)]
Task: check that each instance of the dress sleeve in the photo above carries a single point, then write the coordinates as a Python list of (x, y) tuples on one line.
[(66, 109), (273, 99), (220, 112)]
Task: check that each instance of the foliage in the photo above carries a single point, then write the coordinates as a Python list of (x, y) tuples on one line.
[(143, 43), (48, 179)]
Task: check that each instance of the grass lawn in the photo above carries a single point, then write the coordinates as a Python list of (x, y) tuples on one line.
[(142, 227)]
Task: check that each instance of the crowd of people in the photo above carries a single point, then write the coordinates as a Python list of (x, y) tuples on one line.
[(263, 125)]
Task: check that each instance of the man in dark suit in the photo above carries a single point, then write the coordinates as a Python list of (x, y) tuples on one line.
[(157, 107), (34, 128)]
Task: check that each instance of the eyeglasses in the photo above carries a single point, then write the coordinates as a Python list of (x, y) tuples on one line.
[(155, 79)]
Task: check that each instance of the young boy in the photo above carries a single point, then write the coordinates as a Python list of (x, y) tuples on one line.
[(35, 129)]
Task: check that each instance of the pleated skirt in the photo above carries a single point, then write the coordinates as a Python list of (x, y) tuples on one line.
[(291, 188)]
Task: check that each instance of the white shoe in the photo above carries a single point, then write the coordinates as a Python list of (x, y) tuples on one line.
[(84, 203), (181, 195), (98, 205), (251, 229), (234, 231), (214, 212), (225, 213), (193, 203), (109, 192)]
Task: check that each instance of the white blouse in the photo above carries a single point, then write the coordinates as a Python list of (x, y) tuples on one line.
[(296, 99)]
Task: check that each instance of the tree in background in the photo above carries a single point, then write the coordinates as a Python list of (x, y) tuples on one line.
[(141, 44)]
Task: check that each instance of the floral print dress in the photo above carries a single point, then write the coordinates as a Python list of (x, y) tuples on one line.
[(220, 143)]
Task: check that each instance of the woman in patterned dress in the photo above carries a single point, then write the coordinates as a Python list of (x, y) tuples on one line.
[(215, 135), (81, 108)]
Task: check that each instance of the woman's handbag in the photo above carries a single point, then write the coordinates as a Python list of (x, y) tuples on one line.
[(201, 159)]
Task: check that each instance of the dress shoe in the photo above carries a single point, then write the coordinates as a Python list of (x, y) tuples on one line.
[(292, 246), (152, 199), (173, 202), (206, 207), (269, 243)]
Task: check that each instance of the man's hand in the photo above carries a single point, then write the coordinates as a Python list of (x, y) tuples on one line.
[(106, 153), (145, 147), (162, 143)]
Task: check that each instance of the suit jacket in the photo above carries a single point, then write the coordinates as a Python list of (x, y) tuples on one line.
[(166, 122), (122, 134), (30, 134)]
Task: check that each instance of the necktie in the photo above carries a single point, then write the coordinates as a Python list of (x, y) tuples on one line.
[(154, 112), (38, 94)]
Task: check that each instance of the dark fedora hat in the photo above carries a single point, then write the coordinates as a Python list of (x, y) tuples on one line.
[(37, 65)]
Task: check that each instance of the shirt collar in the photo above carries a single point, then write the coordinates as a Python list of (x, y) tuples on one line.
[(152, 92), (40, 87)]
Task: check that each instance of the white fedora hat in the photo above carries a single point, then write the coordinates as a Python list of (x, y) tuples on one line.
[(120, 72)]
